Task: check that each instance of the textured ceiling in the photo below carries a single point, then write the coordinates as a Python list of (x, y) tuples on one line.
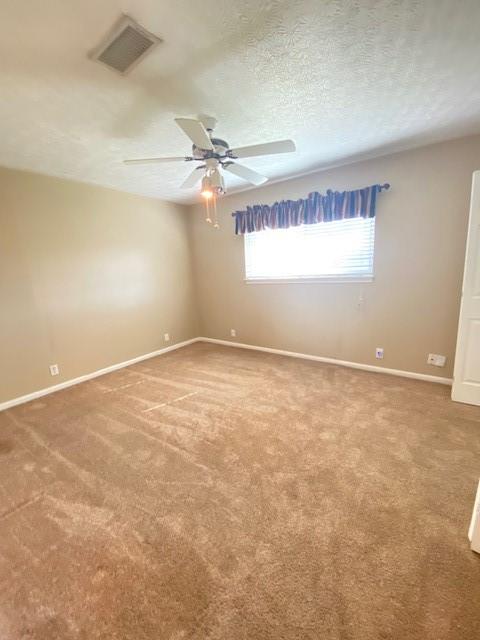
[(343, 78)]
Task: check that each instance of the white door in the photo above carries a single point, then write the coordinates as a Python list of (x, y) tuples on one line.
[(466, 383)]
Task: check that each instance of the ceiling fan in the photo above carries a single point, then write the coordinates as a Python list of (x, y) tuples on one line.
[(216, 156)]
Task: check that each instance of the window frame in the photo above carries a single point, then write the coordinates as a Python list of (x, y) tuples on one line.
[(314, 279)]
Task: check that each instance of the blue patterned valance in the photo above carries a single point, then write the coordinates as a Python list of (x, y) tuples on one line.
[(316, 207)]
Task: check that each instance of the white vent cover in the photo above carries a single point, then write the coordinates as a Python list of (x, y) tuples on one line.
[(125, 46)]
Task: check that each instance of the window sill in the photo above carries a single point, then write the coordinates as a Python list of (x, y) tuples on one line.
[(314, 280)]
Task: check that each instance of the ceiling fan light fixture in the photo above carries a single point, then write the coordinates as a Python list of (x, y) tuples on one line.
[(207, 188), (217, 181), (212, 184), (209, 192)]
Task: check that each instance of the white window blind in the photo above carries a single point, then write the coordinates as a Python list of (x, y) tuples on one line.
[(330, 250)]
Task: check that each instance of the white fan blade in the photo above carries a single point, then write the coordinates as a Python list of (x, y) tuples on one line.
[(196, 132), (244, 172), (268, 148), (152, 160), (193, 178)]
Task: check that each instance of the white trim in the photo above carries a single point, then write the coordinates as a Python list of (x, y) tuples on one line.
[(88, 376), (342, 363), (305, 356)]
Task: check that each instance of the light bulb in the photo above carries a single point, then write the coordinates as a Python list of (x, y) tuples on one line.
[(207, 194)]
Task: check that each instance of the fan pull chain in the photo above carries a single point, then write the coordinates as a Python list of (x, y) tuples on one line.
[(215, 218), (207, 207)]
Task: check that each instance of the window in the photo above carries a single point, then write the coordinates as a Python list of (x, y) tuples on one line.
[(340, 250)]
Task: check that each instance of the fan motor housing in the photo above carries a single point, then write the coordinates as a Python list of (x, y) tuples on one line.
[(220, 149)]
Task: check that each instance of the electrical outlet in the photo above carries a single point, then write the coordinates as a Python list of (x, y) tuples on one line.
[(379, 353), (233, 333), (54, 370), (436, 359), (166, 337)]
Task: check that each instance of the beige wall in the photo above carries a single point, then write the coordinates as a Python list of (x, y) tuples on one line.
[(410, 309), (89, 277)]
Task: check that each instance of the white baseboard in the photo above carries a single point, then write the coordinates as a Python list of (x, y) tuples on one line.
[(342, 363), (88, 376)]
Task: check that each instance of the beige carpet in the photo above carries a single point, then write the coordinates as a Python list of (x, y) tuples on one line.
[(216, 493)]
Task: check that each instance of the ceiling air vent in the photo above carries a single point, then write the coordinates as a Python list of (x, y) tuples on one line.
[(126, 44)]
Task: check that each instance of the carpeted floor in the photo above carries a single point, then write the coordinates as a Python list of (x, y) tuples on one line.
[(222, 494)]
